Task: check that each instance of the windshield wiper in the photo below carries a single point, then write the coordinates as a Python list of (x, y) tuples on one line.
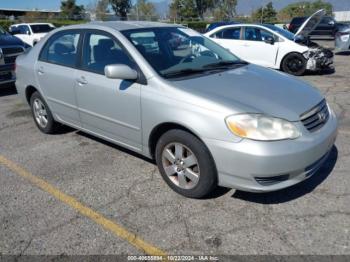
[(184, 72), (225, 63)]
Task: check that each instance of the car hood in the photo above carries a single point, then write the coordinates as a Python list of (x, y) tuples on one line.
[(7, 39), (255, 89), (310, 24), (39, 35)]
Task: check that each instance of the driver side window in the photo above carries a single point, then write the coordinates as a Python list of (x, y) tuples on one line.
[(23, 29), (101, 50), (257, 34)]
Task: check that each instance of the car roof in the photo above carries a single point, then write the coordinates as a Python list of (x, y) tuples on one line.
[(31, 24), (127, 25), (235, 25)]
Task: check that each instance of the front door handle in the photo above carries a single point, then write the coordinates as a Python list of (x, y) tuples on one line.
[(82, 81)]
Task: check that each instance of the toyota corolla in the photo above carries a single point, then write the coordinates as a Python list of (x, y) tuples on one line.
[(205, 116)]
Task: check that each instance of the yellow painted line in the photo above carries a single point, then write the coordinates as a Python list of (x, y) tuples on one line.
[(116, 229)]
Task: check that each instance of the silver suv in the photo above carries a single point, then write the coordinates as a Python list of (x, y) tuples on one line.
[(168, 93)]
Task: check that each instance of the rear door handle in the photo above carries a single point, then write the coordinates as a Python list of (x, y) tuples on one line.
[(82, 81)]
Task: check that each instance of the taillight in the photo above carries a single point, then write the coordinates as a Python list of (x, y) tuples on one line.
[(14, 67)]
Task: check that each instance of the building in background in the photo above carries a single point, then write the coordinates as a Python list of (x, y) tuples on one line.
[(342, 16), (13, 14)]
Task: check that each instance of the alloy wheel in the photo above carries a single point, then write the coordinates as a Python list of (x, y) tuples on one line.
[(180, 165), (40, 113)]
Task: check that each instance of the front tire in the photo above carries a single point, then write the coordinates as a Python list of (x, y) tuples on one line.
[(294, 64), (186, 164), (42, 115)]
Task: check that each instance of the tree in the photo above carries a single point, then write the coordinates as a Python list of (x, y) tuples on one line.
[(121, 8), (202, 6), (101, 9), (183, 10), (304, 9), (144, 10), (98, 9), (71, 10), (225, 9), (265, 14)]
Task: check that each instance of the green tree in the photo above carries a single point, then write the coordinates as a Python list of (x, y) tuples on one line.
[(182, 10), (71, 10), (101, 9), (144, 10), (303, 9), (121, 8), (225, 9), (266, 14), (202, 6)]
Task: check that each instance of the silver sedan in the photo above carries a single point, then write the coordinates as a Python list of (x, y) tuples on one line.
[(168, 93)]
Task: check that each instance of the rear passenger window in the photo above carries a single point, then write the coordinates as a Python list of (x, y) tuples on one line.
[(61, 49), (101, 50)]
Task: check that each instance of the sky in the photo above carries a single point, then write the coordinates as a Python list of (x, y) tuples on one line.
[(40, 4), (244, 6)]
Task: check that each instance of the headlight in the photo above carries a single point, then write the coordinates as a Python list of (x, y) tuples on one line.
[(261, 127)]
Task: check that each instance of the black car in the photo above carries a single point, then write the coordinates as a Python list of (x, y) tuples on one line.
[(326, 28), (10, 48)]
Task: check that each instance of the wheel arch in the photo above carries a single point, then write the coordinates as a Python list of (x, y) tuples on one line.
[(29, 91), (161, 129), (285, 56)]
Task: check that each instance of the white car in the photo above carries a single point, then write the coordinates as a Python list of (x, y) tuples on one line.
[(270, 46), (31, 33)]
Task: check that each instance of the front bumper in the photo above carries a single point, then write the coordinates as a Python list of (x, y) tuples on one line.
[(7, 74), (244, 165), (318, 59)]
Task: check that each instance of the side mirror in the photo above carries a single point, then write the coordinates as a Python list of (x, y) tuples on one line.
[(331, 22), (28, 33), (269, 40), (119, 71)]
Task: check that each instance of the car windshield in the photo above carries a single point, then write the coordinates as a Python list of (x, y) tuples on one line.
[(285, 33), (41, 28), (174, 52)]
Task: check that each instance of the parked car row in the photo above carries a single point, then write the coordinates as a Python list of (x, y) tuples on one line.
[(10, 48), (31, 33), (271, 46), (206, 116), (326, 27), (20, 39)]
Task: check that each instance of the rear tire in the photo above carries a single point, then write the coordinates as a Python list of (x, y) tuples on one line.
[(42, 114), (294, 64), (186, 164)]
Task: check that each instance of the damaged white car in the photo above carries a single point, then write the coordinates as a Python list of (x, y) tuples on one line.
[(270, 46)]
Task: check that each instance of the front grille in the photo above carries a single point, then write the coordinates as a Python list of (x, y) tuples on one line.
[(5, 77), (11, 50), (10, 59), (316, 117), (10, 53)]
